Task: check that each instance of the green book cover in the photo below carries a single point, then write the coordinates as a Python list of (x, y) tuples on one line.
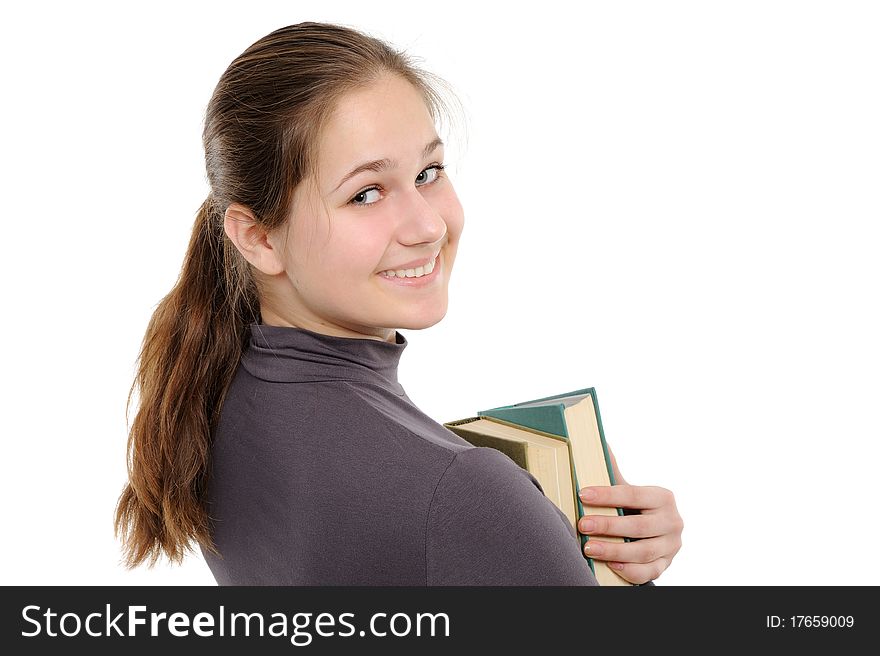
[(548, 414)]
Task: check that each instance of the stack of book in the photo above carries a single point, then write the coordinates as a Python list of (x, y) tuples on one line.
[(559, 440)]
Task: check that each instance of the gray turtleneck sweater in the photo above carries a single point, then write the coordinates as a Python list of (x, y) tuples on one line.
[(325, 473)]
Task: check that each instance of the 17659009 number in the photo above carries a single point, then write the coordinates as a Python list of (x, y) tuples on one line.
[(810, 622)]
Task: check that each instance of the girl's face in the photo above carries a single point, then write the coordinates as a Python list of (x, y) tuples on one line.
[(379, 202)]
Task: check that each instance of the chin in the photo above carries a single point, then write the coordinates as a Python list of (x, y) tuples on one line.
[(422, 321)]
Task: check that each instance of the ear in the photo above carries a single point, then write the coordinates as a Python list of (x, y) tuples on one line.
[(251, 240)]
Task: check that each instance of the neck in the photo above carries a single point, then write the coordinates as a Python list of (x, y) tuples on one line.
[(361, 332)]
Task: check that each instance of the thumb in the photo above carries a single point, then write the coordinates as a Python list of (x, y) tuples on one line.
[(618, 477)]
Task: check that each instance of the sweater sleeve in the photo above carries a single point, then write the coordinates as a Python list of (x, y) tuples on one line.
[(489, 523)]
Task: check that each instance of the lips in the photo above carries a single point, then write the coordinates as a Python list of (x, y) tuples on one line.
[(413, 264), (425, 280)]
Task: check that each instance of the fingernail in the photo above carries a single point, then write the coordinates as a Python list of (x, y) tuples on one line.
[(587, 525), (587, 495), (617, 565), (593, 548)]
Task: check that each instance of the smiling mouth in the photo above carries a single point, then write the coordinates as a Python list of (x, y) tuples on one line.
[(417, 272)]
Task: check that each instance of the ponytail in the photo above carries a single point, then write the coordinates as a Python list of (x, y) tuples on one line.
[(261, 135), (188, 357)]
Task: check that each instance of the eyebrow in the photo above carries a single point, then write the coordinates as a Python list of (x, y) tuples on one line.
[(379, 165)]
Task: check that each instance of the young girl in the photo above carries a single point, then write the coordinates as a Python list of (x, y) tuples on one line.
[(271, 428)]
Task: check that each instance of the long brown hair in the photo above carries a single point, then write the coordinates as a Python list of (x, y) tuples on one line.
[(260, 129)]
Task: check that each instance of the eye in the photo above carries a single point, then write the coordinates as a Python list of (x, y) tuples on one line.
[(429, 175), (366, 197)]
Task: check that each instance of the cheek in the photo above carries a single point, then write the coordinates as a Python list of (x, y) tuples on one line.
[(354, 255)]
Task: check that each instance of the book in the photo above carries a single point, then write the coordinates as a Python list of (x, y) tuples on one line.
[(527, 431)]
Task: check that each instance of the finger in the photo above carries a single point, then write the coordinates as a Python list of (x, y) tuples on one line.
[(630, 526), (639, 573), (618, 477), (640, 551), (643, 497)]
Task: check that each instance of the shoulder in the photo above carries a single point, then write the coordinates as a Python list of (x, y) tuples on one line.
[(490, 524), (478, 481), (485, 468)]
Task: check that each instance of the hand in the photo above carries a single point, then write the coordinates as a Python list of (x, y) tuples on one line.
[(658, 527)]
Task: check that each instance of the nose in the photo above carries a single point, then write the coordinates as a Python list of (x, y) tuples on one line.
[(420, 221)]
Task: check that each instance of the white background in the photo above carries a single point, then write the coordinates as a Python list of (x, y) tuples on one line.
[(673, 202)]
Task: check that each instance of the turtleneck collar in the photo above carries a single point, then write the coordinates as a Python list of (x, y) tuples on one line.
[(296, 355)]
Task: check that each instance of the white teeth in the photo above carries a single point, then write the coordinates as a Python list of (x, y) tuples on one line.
[(418, 272)]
